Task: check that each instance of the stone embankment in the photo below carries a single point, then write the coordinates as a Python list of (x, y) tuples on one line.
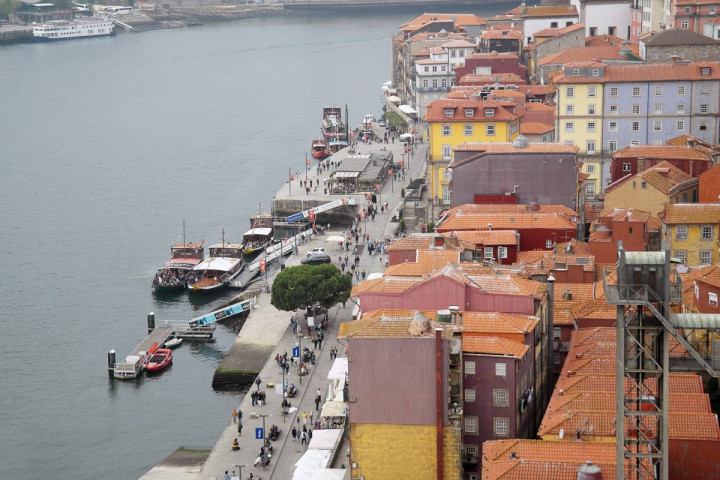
[(195, 16)]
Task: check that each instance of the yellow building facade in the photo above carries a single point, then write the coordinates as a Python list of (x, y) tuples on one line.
[(456, 121), (578, 114), (381, 451), (692, 232)]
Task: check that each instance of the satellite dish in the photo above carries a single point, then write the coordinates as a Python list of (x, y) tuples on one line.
[(561, 434)]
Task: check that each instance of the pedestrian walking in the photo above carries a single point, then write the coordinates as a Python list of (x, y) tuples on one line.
[(317, 402), (304, 416), (239, 428), (239, 415), (312, 413), (304, 438), (227, 475), (294, 433), (309, 435), (233, 415)]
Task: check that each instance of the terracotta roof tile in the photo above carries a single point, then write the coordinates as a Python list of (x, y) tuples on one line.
[(506, 34), (535, 128), (482, 322), (664, 176), (390, 327), (436, 110), (475, 79), (696, 213), (583, 54), (574, 246), (476, 217), (459, 19), (494, 346), (602, 40), (661, 152), (641, 72), (677, 37), (415, 241), (386, 285), (547, 11), (509, 285), (625, 214), (486, 237)]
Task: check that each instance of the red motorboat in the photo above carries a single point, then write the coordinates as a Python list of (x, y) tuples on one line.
[(319, 149), (160, 360)]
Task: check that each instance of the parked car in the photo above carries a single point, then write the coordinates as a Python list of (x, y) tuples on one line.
[(316, 259), (315, 251), (381, 122)]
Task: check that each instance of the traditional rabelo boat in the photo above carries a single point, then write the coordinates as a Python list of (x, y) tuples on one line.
[(183, 258), (216, 272)]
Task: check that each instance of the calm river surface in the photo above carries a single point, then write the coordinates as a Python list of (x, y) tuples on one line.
[(106, 145)]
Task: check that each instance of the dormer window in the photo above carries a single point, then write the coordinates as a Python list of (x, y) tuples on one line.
[(705, 71), (595, 72), (449, 113), (489, 112), (575, 72), (469, 112)]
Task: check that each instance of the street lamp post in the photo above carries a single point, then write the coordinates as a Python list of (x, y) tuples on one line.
[(263, 415), (240, 467), (282, 372), (392, 185), (306, 164), (290, 181)]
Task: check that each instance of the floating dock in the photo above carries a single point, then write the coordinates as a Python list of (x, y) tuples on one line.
[(199, 328)]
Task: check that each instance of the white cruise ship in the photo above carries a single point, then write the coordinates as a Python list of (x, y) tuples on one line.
[(66, 29)]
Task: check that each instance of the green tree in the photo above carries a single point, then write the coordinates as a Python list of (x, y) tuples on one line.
[(307, 285), (8, 6)]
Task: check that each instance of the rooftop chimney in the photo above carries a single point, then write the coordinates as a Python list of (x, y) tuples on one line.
[(589, 471)]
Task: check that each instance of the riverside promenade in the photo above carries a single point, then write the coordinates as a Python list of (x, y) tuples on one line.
[(270, 329)]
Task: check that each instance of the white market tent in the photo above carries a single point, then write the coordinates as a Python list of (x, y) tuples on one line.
[(309, 463), (407, 109), (393, 98), (330, 474), (339, 369), (332, 408), (324, 439)]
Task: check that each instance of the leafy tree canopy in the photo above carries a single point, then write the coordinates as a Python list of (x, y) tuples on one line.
[(8, 6), (307, 285)]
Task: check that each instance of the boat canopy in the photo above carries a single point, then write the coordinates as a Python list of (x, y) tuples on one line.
[(258, 231), (222, 264), (346, 175)]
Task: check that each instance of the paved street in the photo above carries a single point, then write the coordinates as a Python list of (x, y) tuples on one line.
[(285, 451)]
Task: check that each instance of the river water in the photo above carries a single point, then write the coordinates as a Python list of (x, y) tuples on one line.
[(106, 146)]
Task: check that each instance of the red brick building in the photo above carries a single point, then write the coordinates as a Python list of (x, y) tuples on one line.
[(619, 224), (540, 226), (635, 159)]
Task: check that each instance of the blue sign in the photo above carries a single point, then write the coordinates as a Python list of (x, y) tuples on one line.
[(294, 218), (296, 351), (259, 433)]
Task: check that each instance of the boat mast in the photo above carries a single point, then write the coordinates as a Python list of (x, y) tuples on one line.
[(184, 242)]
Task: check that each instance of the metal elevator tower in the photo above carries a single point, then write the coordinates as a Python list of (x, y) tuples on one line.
[(643, 287)]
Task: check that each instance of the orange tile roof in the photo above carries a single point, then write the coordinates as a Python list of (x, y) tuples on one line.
[(506, 94), (562, 314), (551, 259), (483, 322), (595, 309), (507, 221), (486, 237), (508, 285), (685, 425), (661, 151), (391, 327), (436, 110), (575, 292), (583, 54), (458, 18), (641, 72), (695, 213), (535, 128), (414, 241), (625, 214), (546, 33), (664, 176), (574, 246), (599, 401), (501, 34), (592, 210), (494, 346)]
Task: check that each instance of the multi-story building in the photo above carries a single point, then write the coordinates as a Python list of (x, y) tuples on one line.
[(627, 225), (710, 186), (456, 121), (540, 227), (652, 188), (557, 40), (691, 14), (605, 17), (663, 46), (634, 159), (414, 366), (545, 173), (579, 104), (504, 40), (488, 64), (602, 108), (692, 231), (647, 16), (536, 18)]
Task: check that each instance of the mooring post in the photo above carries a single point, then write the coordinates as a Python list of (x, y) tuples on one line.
[(111, 362), (151, 322)]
